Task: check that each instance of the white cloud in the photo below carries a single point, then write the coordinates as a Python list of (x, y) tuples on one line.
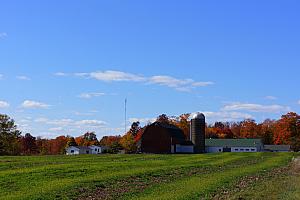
[(1, 76), (34, 104), (3, 35), (41, 120), (184, 85), (23, 78), (270, 97), (299, 102), (226, 116), (115, 76), (4, 104), (256, 108), (56, 129), (142, 120), (60, 74), (61, 122), (91, 123), (91, 95)]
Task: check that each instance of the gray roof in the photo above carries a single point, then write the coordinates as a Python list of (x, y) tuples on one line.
[(233, 142), (277, 147), (80, 147)]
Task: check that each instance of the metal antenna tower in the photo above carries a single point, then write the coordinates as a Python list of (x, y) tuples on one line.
[(125, 115)]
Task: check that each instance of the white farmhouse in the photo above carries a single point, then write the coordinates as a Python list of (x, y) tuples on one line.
[(77, 150)]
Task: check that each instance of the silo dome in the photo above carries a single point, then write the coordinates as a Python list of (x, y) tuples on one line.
[(198, 115)]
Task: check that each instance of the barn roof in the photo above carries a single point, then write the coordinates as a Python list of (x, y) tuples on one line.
[(233, 142), (173, 130)]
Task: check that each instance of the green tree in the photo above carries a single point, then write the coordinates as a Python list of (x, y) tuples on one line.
[(71, 142), (9, 136)]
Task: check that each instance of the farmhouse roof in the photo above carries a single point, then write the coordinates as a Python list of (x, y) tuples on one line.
[(233, 142)]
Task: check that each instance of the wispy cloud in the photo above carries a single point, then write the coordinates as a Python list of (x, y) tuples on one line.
[(270, 97), (115, 76), (93, 122), (299, 102), (184, 85), (29, 104), (4, 104), (69, 126), (60, 74), (1, 76), (178, 84), (55, 129), (226, 116), (256, 108), (91, 95), (23, 78), (3, 35), (142, 120)]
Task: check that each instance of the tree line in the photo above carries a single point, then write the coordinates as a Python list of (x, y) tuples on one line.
[(286, 131)]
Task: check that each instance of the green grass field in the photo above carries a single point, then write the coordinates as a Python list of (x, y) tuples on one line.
[(130, 176)]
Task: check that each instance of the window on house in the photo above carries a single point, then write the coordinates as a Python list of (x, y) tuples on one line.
[(241, 149), (236, 149), (252, 149), (87, 152), (72, 151), (220, 150), (98, 150), (247, 150)]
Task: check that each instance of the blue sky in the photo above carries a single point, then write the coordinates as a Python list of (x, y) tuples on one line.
[(67, 66)]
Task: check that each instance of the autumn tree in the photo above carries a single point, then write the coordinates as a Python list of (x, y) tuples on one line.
[(112, 143), (135, 127), (249, 129), (128, 143), (28, 145), (79, 140), (163, 119), (71, 142), (183, 123), (266, 131), (9, 136), (43, 146), (90, 138), (287, 130), (57, 145)]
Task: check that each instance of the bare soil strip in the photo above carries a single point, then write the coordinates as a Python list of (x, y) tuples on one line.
[(243, 184), (132, 185)]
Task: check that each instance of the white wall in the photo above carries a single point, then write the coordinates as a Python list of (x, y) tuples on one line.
[(72, 151), (95, 150), (243, 149), (233, 149)]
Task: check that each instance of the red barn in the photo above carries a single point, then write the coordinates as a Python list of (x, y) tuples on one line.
[(161, 138)]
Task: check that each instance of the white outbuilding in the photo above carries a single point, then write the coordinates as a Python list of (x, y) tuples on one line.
[(78, 150), (233, 145)]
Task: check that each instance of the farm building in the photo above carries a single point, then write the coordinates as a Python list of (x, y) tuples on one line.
[(277, 148), (164, 138), (76, 150), (233, 145)]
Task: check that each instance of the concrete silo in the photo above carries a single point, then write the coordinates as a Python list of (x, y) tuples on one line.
[(198, 132)]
